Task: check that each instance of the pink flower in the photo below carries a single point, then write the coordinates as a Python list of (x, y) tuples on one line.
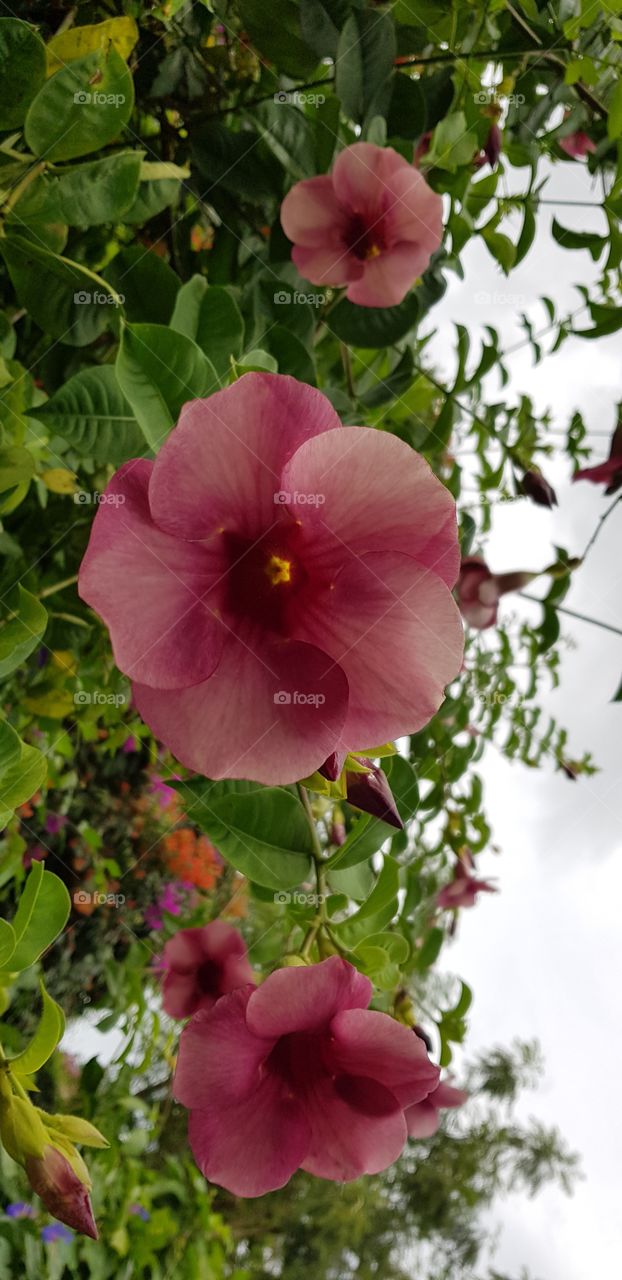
[(577, 145), (424, 1118), (462, 891), (63, 1193), (608, 473), (172, 898), (277, 585), (298, 1074), (372, 224), (478, 591), (201, 965)]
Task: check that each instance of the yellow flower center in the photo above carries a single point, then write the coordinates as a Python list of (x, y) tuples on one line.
[(279, 570), (372, 252)]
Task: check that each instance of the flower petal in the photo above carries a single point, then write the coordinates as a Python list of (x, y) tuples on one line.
[(377, 495), (220, 469), (373, 1044), (219, 1057), (387, 279), (400, 645), (305, 999), (360, 175), (181, 996), (310, 214), (154, 593), (254, 1145), (248, 721), (357, 1127), (415, 212), (422, 1119), (333, 266)]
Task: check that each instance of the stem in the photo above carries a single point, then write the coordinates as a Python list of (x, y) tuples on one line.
[(21, 186), (58, 586), (318, 857), (583, 617), (600, 524), (347, 368)]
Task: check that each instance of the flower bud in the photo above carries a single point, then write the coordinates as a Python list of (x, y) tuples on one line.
[(78, 1130), (534, 486), (22, 1132), (64, 1194), (371, 792)]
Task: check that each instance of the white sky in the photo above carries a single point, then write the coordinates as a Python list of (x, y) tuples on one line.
[(544, 955)]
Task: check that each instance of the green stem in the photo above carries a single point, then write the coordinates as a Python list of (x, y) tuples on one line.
[(320, 874), (58, 586), (600, 524), (583, 617)]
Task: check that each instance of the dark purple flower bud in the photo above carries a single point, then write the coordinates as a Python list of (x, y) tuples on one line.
[(331, 769), (372, 793), (534, 486), (492, 145)]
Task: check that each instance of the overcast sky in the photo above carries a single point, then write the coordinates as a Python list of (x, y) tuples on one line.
[(544, 956)]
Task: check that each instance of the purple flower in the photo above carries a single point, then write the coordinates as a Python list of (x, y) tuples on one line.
[(55, 1231), (139, 1212), (130, 745), (55, 822), (171, 899), (20, 1210)]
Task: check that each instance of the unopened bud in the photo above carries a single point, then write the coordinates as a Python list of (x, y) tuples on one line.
[(371, 792), (63, 1193)]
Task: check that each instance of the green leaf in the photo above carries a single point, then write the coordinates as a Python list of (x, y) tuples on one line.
[(48, 1034), (22, 70), (22, 631), (291, 355), (81, 108), (364, 64), (146, 283), (453, 144), (16, 466), (395, 945), (369, 834), (158, 370), (159, 187), (7, 942), (275, 30), (407, 112), (62, 298), (614, 119), (210, 316), (501, 248), (589, 240), (430, 950), (238, 162), (349, 70), (91, 413), (262, 831), (21, 779), (289, 134), (379, 907), (373, 326), (82, 195), (41, 915)]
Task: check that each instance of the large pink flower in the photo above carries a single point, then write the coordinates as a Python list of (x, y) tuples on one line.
[(298, 1073), (423, 1118), (277, 585), (372, 224), (201, 965)]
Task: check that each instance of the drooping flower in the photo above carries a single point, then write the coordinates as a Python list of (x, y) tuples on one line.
[(535, 486), (64, 1193), (200, 965), (462, 891), (277, 585), (491, 149), (577, 145), (478, 591), (298, 1073), (608, 473), (424, 1117), (372, 224)]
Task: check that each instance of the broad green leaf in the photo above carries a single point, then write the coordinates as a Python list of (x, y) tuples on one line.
[(275, 30), (10, 746), (614, 120), (239, 162), (91, 413), (210, 316), (262, 831), (428, 953), (501, 248), (258, 360), (7, 942), (453, 144), (395, 945), (22, 70), (62, 298), (82, 195), (349, 70), (373, 326), (289, 134), (569, 239), (48, 1034), (407, 112), (146, 283), (158, 370), (355, 882), (21, 630), (368, 834), (83, 107), (74, 43), (41, 915), (159, 187), (291, 355), (379, 907), (16, 466), (21, 779)]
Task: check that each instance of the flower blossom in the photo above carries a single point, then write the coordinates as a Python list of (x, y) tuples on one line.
[(200, 965), (577, 145), (462, 891), (478, 591), (64, 1193), (609, 472), (372, 224), (276, 585), (424, 1117), (299, 1074)]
